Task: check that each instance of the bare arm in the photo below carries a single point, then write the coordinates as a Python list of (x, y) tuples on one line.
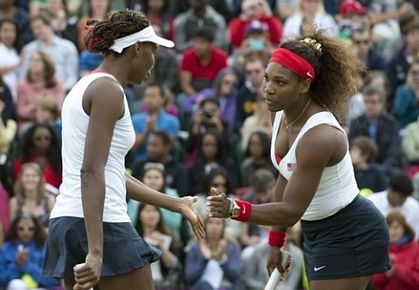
[(185, 83), (300, 189), (103, 102), (142, 193)]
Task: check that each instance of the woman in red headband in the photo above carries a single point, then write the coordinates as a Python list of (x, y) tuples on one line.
[(345, 239)]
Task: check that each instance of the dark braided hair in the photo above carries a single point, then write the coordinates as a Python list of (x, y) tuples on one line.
[(336, 69), (101, 34)]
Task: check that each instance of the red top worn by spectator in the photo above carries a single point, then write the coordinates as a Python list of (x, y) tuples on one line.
[(191, 63), (237, 28), (51, 177)]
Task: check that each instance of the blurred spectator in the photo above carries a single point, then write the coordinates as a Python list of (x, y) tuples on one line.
[(398, 197), (199, 15), (22, 255), (218, 178), (406, 99), (311, 13), (225, 92), (356, 105), (157, 12), (260, 120), (38, 6), (8, 129), (211, 155), (254, 70), (383, 16), (62, 51), (154, 118), (361, 40), (166, 68), (159, 146), (286, 8), (206, 118), (151, 225), (31, 195), (47, 112), (41, 145), (400, 63), (154, 175), (9, 11), (227, 8), (4, 213), (255, 43), (9, 110), (369, 177), (257, 156), (255, 10), (213, 264), (40, 83), (410, 143), (96, 9), (352, 16), (63, 25), (404, 255), (380, 127), (261, 184), (201, 63), (253, 266), (10, 61)]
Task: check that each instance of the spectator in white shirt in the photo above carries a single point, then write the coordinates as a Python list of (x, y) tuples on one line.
[(62, 52), (398, 197)]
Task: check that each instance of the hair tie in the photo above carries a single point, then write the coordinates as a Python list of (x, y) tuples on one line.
[(316, 46)]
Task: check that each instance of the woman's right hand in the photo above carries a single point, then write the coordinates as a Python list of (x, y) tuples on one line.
[(275, 261), (87, 275)]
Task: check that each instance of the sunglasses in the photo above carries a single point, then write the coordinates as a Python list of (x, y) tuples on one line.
[(358, 42), (29, 229)]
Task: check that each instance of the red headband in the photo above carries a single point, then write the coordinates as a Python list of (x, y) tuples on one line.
[(294, 62)]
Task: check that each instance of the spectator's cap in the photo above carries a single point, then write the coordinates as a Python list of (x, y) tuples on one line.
[(255, 27), (145, 35), (351, 6)]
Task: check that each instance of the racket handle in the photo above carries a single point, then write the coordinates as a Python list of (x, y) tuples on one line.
[(273, 280)]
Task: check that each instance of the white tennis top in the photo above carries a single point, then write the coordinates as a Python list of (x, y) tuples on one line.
[(75, 122), (337, 187)]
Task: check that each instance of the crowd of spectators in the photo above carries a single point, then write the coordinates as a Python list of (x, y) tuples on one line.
[(201, 122)]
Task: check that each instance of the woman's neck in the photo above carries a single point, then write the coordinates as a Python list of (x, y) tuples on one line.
[(37, 78), (148, 230), (31, 195)]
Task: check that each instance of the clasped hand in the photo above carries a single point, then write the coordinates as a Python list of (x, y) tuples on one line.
[(218, 205)]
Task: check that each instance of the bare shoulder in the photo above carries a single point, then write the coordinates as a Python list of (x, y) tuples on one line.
[(323, 143), (105, 94)]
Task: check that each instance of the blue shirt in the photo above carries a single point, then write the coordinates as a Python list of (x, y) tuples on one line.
[(165, 122), (10, 270)]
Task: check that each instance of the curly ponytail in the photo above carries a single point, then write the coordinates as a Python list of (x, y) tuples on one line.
[(336, 69), (101, 34)]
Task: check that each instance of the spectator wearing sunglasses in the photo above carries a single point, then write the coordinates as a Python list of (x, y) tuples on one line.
[(362, 45), (22, 255)]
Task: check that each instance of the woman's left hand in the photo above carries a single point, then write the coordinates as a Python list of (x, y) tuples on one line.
[(218, 204), (188, 211)]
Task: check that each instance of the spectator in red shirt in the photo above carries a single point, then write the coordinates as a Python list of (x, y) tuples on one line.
[(254, 10), (201, 63)]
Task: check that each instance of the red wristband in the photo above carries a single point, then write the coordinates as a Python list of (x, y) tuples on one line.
[(245, 211), (277, 239)]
